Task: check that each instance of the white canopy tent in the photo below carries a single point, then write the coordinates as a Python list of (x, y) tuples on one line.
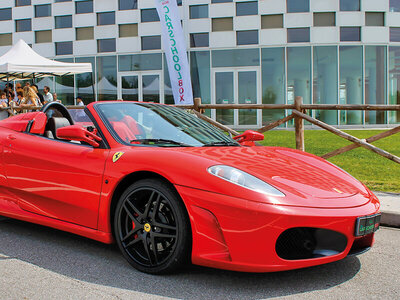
[(21, 62)]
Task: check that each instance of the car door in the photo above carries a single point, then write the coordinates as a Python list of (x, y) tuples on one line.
[(54, 178)]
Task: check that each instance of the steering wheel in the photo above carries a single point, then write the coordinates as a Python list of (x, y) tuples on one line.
[(51, 109)]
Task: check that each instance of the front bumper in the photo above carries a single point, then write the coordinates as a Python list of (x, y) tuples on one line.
[(236, 234)]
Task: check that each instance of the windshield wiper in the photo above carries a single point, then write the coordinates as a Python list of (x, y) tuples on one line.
[(220, 144), (160, 141)]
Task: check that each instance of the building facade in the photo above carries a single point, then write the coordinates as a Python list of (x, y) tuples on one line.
[(267, 51)]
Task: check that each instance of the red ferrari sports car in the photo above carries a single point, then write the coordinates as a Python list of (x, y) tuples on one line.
[(169, 188)]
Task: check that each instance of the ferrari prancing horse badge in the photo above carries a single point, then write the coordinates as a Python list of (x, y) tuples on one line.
[(117, 156)]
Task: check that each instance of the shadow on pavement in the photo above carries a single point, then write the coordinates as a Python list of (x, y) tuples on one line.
[(86, 260)]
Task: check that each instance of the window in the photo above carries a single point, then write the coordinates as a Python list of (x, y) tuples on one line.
[(42, 10), (299, 73), (6, 39), (151, 42), (324, 19), (295, 6), (394, 5), (64, 48), (63, 21), (23, 25), (298, 35), (5, 14), (140, 62), (246, 8), (222, 24), (127, 4), (106, 18), (83, 7), (128, 30), (235, 58), (395, 34), (349, 5), (374, 18), (43, 36), (198, 11), (84, 33), (271, 21), (22, 2), (350, 34), (199, 40), (106, 45), (62, 0), (247, 37), (220, 1), (149, 15)]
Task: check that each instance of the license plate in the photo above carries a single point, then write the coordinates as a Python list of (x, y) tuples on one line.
[(368, 224)]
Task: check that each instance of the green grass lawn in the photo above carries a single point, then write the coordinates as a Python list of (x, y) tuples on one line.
[(377, 172)]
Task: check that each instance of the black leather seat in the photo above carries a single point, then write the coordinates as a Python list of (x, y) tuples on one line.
[(53, 124)]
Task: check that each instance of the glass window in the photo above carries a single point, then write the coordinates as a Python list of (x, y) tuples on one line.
[(394, 5), (299, 74), (64, 87), (235, 58), (106, 45), (272, 21), (43, 36), (273, 82), (63, 21), (375, 82), (294, 6), (140, 62), (84, 33), (23, 25), (351, 82), (247, 37), (246, 8), (42, 10), (199, 40), (151, 42), (106, 18), (6, 39), (83, 82), (22, 2), (106, 67), (395, 34), (394, 83), (374, 18), (62, 0), (222, 24), (324, 19), (298, 35), (349, 5), (83, 7), (350, 34), (5, 14), (224, 94), (64, 48), (127, 4), (198, 11), (325, 81), (168, 96), (200, 73), (149, 15), (221, 1), (128, 30)]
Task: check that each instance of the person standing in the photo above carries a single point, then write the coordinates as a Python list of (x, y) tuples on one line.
[(79, 101), (47, 97), (41, 99)]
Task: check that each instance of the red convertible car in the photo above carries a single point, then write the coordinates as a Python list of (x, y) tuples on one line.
[(169, 188)]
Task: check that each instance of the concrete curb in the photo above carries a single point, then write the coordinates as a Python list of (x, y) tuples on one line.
[(390, 208)]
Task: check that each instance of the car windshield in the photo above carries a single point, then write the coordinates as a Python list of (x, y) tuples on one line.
[(160, 126)]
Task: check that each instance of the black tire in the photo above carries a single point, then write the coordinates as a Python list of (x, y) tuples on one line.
[(149, 213)]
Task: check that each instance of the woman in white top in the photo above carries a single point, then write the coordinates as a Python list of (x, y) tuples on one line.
[(30, 97)]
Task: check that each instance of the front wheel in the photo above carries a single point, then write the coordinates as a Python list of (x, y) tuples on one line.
[(152, 228)]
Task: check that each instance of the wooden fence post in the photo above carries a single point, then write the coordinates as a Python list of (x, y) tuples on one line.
[(196, 104), (299, 124)]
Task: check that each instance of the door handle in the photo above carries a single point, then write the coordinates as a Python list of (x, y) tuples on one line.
[(11, 137)]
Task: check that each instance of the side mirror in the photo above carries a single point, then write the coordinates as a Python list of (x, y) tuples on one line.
[(248, 137), (78, 133)]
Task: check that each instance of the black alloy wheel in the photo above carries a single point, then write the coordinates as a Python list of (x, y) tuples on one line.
[(152, 228)]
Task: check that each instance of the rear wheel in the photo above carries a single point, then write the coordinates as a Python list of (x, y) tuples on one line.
[(152, 228)]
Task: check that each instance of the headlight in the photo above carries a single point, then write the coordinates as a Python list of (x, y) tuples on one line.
[(243, 179)]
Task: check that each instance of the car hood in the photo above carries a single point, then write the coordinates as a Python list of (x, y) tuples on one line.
[(305, 179)]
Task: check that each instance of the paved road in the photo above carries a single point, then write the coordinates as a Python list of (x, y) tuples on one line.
[(41, 263)]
